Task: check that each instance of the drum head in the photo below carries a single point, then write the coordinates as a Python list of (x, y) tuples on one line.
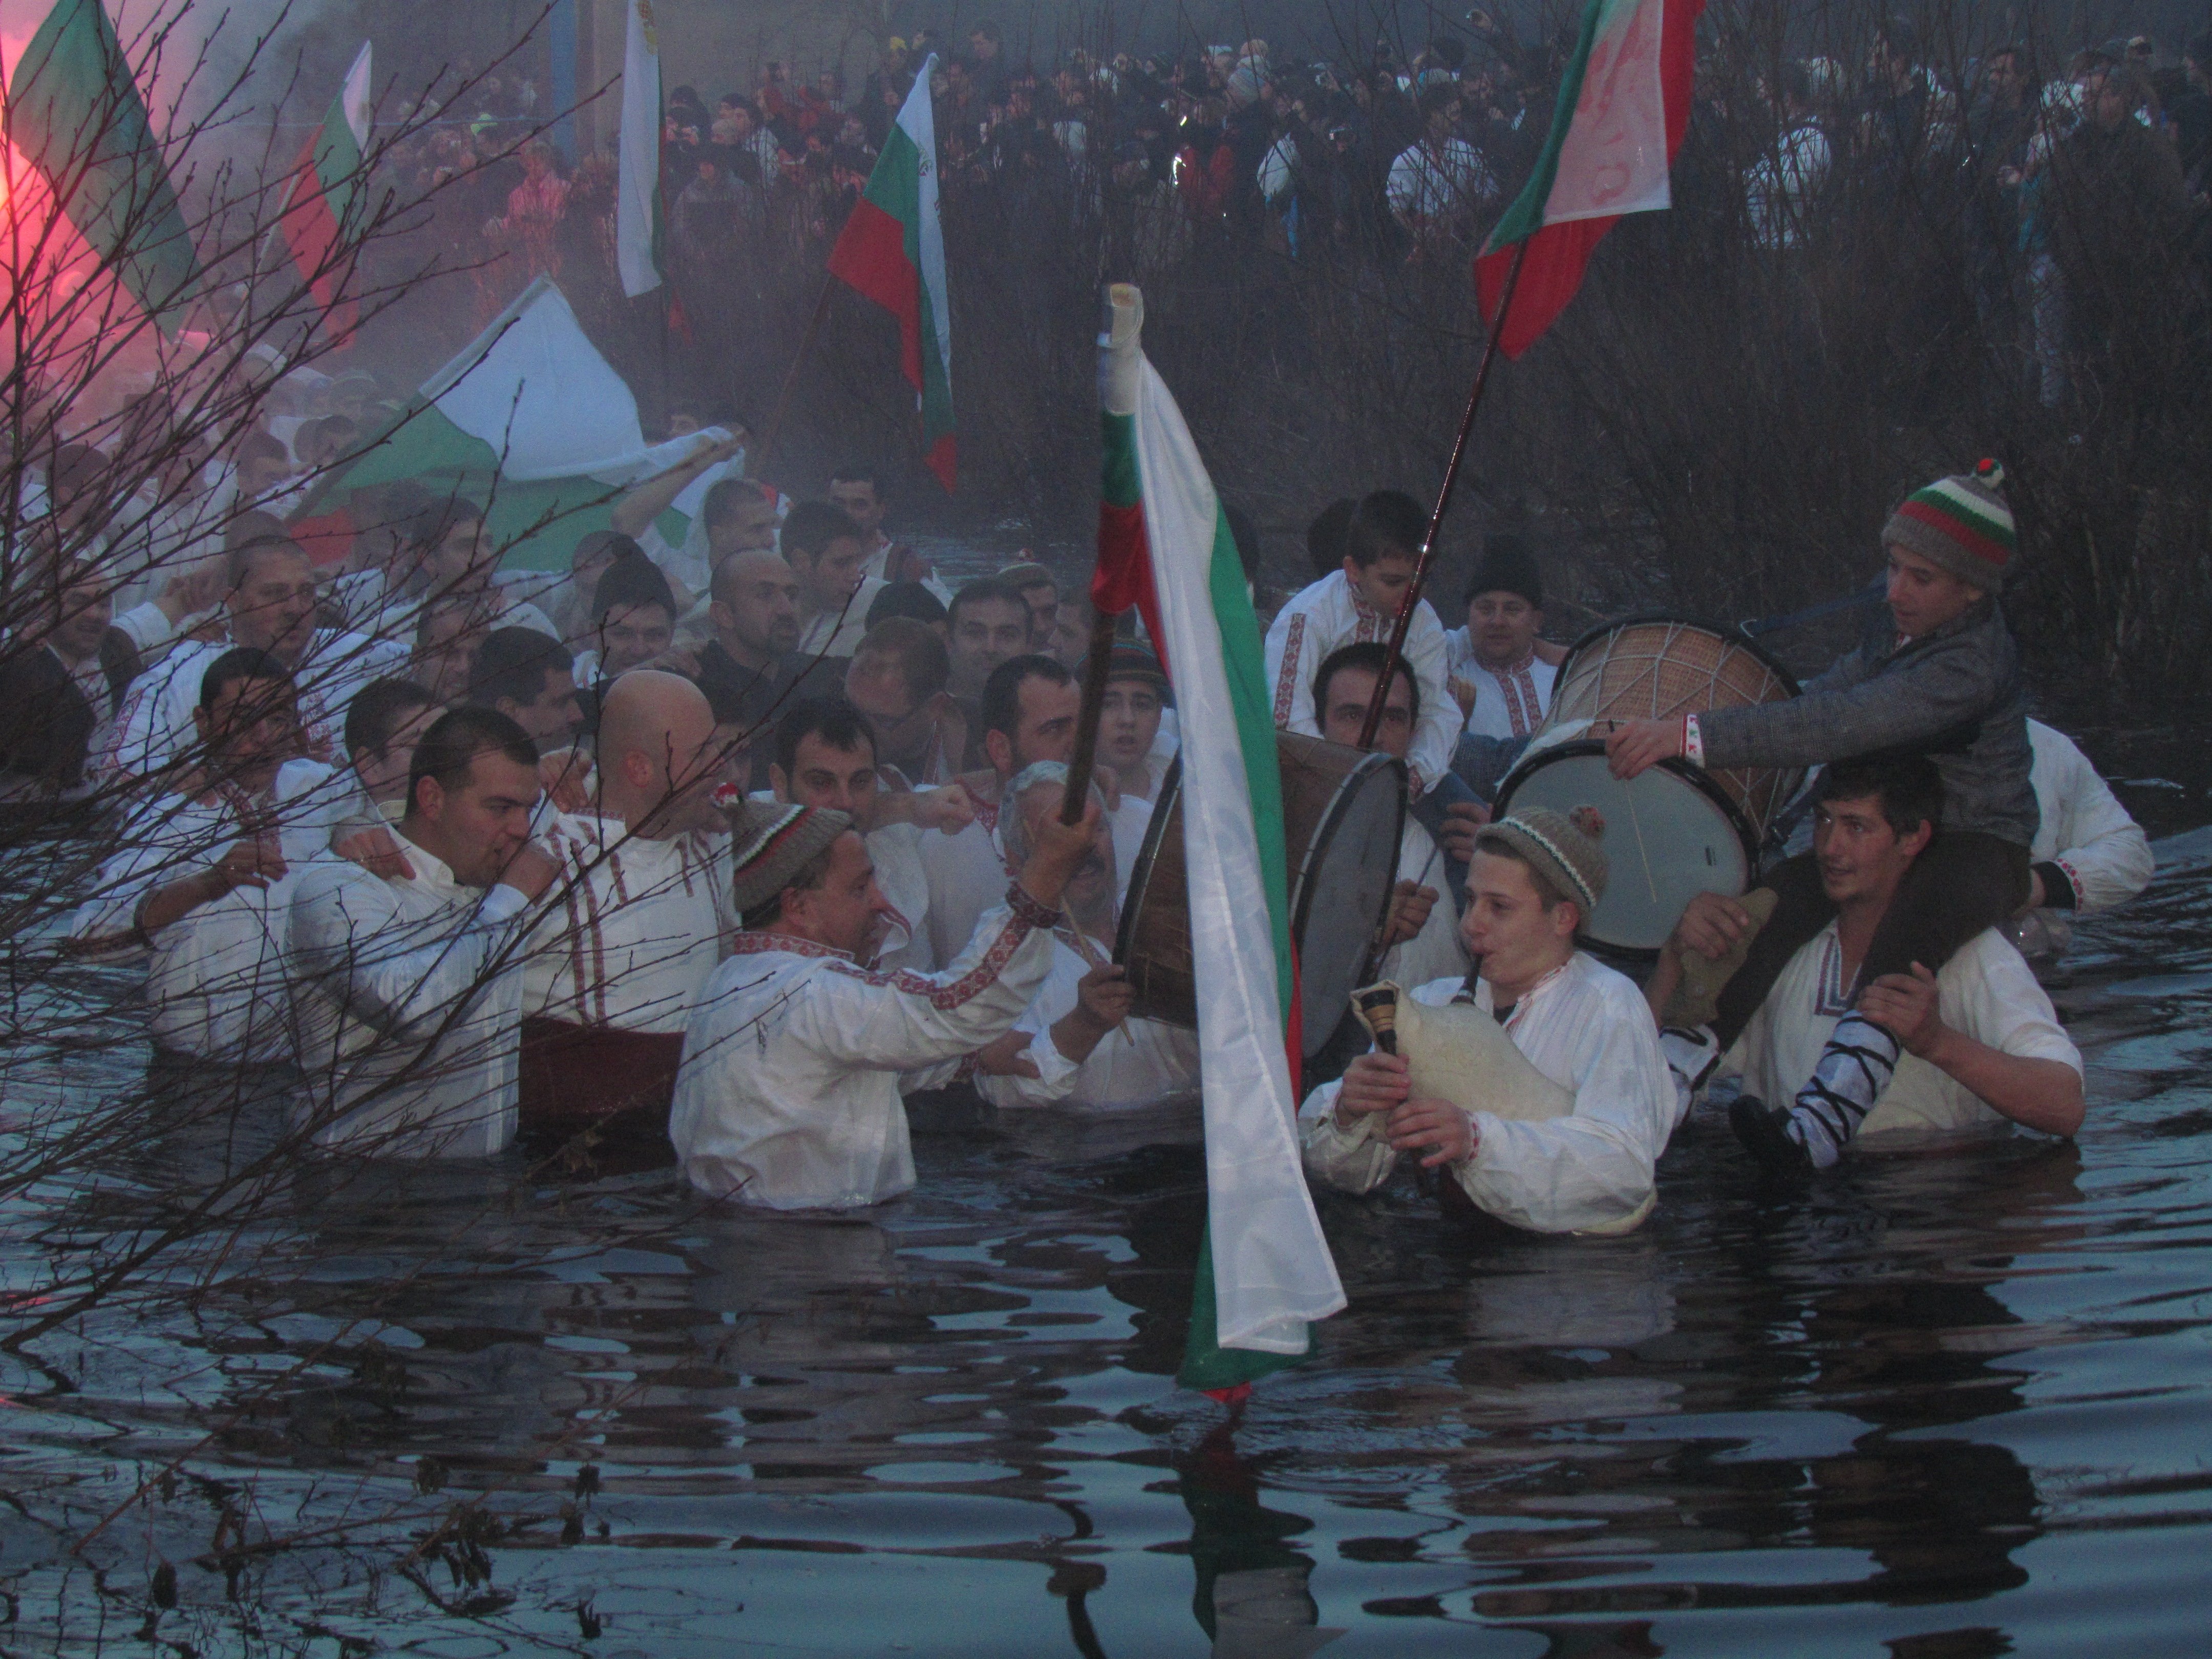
[(1669, 836), (1342, 892)]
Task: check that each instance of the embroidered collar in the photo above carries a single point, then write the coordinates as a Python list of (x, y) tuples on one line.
[(1522, 667), (1520, 1004), (752, 942)]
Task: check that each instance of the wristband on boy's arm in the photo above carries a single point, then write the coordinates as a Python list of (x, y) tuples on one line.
[(1693, 742)]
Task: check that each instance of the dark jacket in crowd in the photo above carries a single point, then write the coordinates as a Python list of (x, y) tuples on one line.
[(46, 721), (1955, 695)]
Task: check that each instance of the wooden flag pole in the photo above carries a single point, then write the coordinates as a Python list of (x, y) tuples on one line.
[(1374, 720), (791, 375), (1084, 761)]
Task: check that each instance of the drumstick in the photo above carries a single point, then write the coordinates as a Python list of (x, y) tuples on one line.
[(1637, 825)]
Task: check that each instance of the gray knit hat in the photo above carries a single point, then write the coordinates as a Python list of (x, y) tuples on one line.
[(1960, 524), (774, 844), (1565, 852)]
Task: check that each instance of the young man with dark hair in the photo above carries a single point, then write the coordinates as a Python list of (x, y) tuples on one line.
[(529, 679), (856, 489), (827, 552), (990, 623), (690, 566), (201, 881), (1981, 1041), (408, 988), (633, 620), (1028, 712), (1940, 675), (796, 1057), (1039, 591), (324, 802), (1536, 878)]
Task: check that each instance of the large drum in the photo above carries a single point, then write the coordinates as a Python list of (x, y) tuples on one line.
[(1344, 812), (1677, 831)]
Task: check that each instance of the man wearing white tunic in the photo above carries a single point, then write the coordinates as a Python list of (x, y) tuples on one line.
[(1077, 1042), (1982, 1045), (270, 606), (2089, 855), (1422, 937), (1585, 1027), (202, 884), (408, 988), (1029, 709), (826, 552), (322, 804), (825, 756), (638, 919), (796, 1056), (1498, 677)]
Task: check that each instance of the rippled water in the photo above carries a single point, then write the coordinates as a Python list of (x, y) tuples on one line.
[(1953, 1407)]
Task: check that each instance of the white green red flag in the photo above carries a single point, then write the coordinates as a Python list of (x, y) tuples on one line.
[(637, 155), (73, 113), (1265, 1273), (1623, 104), (329, 172), (892, 252)]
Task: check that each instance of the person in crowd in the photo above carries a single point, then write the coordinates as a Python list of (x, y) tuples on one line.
[(1535, 878), (319, 803), (1940, 673), (1421, 939), (1325, 537), (690, 566), (2089, 854), (640, 920), (1497, 673), (1129, 743), (991, 624), (1039, 591), (1071, 631), (63, 682), (827, 550), (911, 599), (825, 757), (856, 489), (407, 989), (270, 606), (448, 631), (633, 621), (1440, 184), (795, 1057), (1780, 185), (2000, 129), (1076, 1042), (900, 680), (1981, 1043), (533, 681), (1027, 715), (200, 883), (1358, 603), (748, 669), (445, 551)]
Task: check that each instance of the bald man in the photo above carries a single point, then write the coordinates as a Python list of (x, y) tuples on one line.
[(748, 670), (638, 919)]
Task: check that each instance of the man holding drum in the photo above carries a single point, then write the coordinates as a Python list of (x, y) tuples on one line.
[(1942, 678)]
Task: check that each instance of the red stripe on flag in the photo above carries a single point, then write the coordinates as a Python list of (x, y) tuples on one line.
[(1559, 254), (869, 258), (942, 459), (311, 233)]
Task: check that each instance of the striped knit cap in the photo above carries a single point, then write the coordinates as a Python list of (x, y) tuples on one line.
[(1960, 524), (1563, 850), (774, 846)]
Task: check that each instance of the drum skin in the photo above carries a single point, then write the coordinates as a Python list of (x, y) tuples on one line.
[(1344, 815), (1677, 830)]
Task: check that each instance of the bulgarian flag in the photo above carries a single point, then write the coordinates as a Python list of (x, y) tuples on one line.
[(892, 250), (529, 422), (329, 170), (1265, 1273), (73, 113), (637, 160), (1623, 104)]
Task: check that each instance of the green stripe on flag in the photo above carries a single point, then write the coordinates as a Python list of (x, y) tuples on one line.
[(1526, 216), (1118, 483)]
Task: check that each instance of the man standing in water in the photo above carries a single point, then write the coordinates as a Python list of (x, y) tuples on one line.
[(1981, 1041), (1535, 878)]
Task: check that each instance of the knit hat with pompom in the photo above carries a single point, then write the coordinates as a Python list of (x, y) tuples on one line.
[(1960, 524)]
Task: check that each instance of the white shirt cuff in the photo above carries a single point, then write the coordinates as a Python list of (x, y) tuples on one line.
[(502, 902)]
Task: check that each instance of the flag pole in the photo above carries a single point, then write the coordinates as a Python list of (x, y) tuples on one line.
[(790, 374), (1412, 597), (1092, 712)]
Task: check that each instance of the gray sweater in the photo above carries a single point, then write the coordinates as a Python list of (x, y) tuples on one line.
[(1953, 694)]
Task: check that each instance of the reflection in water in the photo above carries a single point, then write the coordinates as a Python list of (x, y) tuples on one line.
[(1952, 1402)]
